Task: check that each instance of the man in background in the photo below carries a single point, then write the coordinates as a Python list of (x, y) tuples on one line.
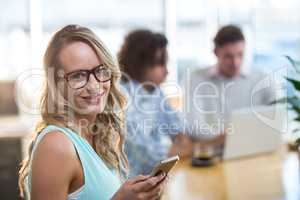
[(211, 94)]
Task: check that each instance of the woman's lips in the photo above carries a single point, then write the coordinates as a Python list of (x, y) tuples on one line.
[(93, 99)]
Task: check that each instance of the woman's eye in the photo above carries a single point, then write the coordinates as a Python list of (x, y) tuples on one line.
[(102, 72), (77, 76), (99, 70)]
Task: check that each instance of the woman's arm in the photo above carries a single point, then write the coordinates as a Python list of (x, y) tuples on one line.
[(53, 167)]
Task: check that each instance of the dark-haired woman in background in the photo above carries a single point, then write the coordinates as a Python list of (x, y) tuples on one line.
[(152, 124)]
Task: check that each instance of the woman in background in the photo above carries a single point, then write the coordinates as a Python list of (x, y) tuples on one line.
[(152, 124), (78, 149)]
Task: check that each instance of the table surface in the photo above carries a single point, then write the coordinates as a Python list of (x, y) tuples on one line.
[(269, 176)]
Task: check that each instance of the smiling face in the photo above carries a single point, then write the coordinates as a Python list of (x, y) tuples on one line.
[(90, 99)]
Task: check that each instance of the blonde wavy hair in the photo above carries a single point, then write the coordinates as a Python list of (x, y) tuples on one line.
[(56, 110)]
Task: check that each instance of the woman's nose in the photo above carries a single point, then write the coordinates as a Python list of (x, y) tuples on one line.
[(93, 83)]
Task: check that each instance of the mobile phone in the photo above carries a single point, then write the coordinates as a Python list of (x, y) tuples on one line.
[(165, 165)]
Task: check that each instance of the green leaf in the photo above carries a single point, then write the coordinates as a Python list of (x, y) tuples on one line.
[(297, 119), (298, 142), (295, 104), (296, 109), (285, 100), (294, 100), (295, 64), (295, 83)]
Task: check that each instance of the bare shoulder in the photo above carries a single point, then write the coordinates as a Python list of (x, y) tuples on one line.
[(53, 166), (55, 147), (56, 143), (54, 151)]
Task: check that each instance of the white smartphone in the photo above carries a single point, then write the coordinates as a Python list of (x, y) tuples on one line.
[(165, 165)]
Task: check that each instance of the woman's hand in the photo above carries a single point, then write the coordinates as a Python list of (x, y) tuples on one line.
[(141, 188)]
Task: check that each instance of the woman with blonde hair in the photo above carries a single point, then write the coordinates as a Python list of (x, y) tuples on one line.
[(78, 149)]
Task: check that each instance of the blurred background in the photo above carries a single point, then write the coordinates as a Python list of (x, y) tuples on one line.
[(271, 28)]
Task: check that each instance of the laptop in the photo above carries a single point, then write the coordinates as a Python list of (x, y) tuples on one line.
[(255, 131)]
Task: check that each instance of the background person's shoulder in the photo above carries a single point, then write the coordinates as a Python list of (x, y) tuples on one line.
[(257, 74)]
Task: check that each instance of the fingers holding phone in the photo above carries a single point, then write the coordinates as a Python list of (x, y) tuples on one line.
[(151, 182), (155, 192), (141, 188), (147, 187)]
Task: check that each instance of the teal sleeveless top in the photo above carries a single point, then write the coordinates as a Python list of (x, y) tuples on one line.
[(100, 182)]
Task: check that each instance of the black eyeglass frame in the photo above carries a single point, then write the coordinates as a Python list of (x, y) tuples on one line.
[(89, 72)]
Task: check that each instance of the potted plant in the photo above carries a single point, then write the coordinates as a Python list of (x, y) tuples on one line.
[(293, 102)]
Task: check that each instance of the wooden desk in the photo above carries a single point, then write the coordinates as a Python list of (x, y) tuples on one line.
[(270, 176)]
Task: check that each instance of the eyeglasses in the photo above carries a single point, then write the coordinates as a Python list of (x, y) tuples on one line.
[(79, 79)]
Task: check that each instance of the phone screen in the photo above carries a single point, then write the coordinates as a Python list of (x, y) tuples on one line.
[(165, 165)]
